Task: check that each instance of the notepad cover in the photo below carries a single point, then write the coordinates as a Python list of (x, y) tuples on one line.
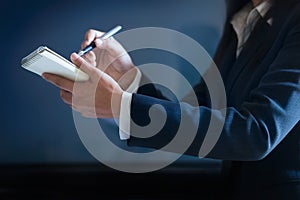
[(44, 60)]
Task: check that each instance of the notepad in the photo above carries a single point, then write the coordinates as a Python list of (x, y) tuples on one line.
[(43, 59)]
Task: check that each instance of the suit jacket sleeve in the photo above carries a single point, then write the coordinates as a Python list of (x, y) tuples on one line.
[(251, 131), (149, 89)]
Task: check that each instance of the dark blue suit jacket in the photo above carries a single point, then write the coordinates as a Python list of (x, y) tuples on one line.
[(261, 135)]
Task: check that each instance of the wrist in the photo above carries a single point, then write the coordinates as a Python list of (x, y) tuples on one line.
[(116, 103), (127, 78)]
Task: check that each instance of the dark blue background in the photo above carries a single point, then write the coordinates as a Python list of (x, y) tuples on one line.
[(36, 126)]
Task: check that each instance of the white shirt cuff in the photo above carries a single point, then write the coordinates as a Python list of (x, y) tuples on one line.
[(124, 119), (133, 87)]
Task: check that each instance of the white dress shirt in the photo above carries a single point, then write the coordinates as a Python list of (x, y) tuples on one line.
[(248, 15), (124, 119), (244, 21)]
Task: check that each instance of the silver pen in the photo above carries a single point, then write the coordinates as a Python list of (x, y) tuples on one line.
[(103, 37)]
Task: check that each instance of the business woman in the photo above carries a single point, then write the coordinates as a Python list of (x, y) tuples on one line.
[(259, 61)]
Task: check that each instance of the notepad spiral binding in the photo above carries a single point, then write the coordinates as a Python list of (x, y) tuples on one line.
[(29, 61)]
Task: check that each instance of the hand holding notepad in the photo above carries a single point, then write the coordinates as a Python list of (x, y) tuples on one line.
[(100, 96), (44, 60)]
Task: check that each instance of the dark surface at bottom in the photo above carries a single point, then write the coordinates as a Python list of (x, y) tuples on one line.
[(101, 182)]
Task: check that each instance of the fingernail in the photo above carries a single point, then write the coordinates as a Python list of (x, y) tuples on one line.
[(75, 56)]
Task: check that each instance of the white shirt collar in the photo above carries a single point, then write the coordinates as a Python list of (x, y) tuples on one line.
[(240, 18), (263, 8), (246, 15)]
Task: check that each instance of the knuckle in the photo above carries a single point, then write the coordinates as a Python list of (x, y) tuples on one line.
[(90, 31), (88, 34), (83, 44)]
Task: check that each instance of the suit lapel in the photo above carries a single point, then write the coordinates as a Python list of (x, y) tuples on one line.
[(255, 42), (259, 42)]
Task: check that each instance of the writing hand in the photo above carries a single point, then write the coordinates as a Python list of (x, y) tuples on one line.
[(110, 57)]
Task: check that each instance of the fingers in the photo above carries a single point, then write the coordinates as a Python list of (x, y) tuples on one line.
[(59, 81), (66, 97), (90, 36), (111, 45), (90, 57), (84, 65)]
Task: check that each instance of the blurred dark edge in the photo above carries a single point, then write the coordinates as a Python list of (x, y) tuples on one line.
[(86, 181)]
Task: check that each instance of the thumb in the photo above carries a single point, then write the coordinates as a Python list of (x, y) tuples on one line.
[(83, 64)]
